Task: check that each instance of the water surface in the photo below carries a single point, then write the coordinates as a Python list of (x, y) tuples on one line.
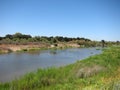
[(14, 65)]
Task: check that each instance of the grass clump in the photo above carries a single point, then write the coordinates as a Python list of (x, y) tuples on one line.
[(99, 72)]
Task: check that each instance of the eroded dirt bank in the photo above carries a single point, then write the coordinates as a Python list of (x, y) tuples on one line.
[(5, 48)]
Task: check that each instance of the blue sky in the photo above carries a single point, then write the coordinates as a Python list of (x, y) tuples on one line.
[(93, 19)]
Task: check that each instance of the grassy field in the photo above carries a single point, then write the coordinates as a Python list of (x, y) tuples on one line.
[(99, 72)]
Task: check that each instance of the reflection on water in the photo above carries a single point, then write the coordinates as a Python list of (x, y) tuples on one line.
[(13, 65)]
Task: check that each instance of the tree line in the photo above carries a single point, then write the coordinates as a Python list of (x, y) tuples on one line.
[(19, 38)]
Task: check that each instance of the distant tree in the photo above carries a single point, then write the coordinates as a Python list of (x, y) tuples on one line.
[(21, 36), (78, 38), (103, 43), (82, 39), (60, 38), (37, 38), (9, 36), (53, 40), (1, 38), (87, 40), (117, 42), (66, 39), (17, 35), (44, 39), (26, 36)]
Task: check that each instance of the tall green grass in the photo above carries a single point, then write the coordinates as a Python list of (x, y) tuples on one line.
[(99, 72)]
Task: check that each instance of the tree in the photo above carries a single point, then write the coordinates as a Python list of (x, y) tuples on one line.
[(26, 36), (9, 36), (103, 43), (1, 38), (117, 42), (17, 35), (37, 38), (20, 36), (60, 38), (53, 40)]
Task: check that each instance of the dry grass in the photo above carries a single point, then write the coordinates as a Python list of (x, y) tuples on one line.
[(89, 71)]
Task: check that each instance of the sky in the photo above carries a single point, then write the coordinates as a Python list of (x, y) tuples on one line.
[(93, 19)]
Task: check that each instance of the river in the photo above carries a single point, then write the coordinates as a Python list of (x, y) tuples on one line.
[(15, 65)]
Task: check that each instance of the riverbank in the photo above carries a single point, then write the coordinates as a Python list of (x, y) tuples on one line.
[(95, 73), (6, 48)]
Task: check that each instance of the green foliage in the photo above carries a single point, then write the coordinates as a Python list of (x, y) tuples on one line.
[(103, 43), (9, 36), (20, 35)]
